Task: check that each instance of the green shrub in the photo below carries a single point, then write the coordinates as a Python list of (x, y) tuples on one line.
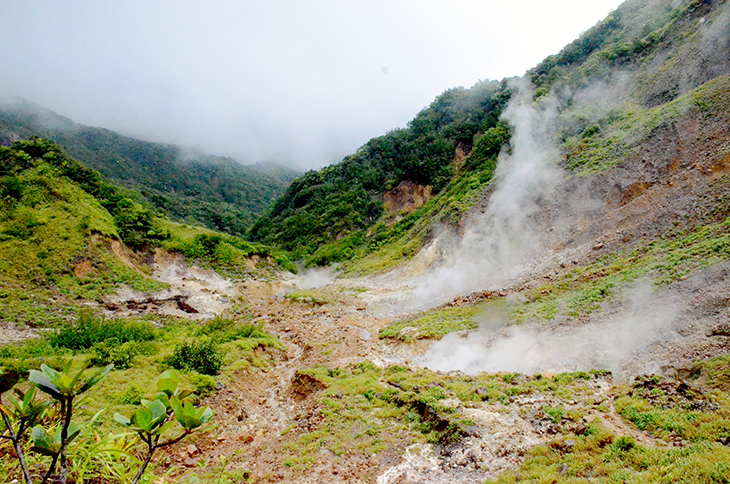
[(226, 330), (203, 384), (216, 325), (202, 356), (115, 353), (89, 330)]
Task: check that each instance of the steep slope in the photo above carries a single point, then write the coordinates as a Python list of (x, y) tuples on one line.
[(645, 54), (188, 186), (335, 207)]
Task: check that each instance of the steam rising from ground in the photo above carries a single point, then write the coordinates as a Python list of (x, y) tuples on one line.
[(607, 342), (504, 242), (504, 238), (314, 278)]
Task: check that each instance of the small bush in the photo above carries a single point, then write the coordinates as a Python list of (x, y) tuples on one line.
[(203, 384), (88, 330), (226, 330), (113, 352), (215, 325), (201, 356)]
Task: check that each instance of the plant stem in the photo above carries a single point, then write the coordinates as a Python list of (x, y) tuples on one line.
[(152, 446), (50, 469), (64, 438), (16, 444), (150, 450)]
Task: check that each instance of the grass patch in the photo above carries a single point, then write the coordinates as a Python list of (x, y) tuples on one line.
[(433, 324), (309, 296), (227, 254), (695, 416), (665, 260)]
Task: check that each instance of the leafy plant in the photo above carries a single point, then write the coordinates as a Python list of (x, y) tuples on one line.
[(89, 330), (202, 356), (63, 387), (155, 418), (26, 411), (150, 421)]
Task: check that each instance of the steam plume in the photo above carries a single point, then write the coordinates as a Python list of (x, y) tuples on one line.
[(505, 237)]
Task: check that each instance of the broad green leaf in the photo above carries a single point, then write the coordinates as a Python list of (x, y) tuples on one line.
[(122, 420), (27, 408), (206, 415), (44, 443), (73, 431), (75, 379), (158, 411), (164, 398), (168, 381), (42, 381), (53, 376), (142, 418), (177, 407)]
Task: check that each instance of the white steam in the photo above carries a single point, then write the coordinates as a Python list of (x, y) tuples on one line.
[(607, 342), (314, 278), (505, 237)]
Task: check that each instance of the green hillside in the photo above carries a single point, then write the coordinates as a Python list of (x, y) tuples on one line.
[(649, 52), (324, 215), (56, 214), (193, 187)]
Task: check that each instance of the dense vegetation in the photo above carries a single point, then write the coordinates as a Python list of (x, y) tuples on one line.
[(55, 213), (95, 449), (192, 187), (346, 199)]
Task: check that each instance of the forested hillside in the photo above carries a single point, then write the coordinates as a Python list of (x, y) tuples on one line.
[(214, 191), (344, 200), (644, 54)]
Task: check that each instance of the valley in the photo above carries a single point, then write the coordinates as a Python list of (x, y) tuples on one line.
[(530, 282)]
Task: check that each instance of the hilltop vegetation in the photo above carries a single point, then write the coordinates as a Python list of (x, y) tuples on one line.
[(346, 199), (191, 187)]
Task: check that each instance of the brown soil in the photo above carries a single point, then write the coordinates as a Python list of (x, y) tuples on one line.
[(256, 405)]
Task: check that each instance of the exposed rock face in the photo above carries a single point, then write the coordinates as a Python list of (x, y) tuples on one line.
[(406, 197), (463, 150)]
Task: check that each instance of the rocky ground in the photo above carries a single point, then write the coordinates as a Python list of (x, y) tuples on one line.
[(262, 412)]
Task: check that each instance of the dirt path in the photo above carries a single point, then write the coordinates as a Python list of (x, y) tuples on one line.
[(254, 409)]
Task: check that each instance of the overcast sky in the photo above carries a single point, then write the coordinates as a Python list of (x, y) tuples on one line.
[(300, 82)]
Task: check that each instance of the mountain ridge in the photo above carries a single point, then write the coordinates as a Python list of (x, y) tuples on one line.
[(185, 184)]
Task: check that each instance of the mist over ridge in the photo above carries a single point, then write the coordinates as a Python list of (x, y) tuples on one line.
[(303, 90)]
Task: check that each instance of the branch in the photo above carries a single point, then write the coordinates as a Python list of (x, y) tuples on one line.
[(175, 440), (50, 469), (15, 438), (150, 450)]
